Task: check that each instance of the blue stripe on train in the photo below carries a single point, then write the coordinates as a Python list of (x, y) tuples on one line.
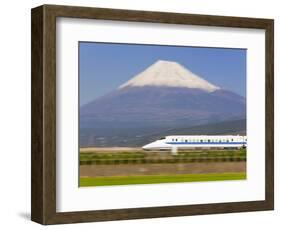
[(207, 143)]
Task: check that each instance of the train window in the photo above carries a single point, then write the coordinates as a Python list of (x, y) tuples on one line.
[(201, 140), (209, 140), (185, 141), (232, 139), (176, 139), (227, 140)]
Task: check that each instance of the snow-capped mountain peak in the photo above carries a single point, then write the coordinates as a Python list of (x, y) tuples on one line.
[(169, 74)]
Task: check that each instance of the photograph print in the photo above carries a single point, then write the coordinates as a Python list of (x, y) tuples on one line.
[(152, 114)]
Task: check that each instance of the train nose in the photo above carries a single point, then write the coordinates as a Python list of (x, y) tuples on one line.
[(147, 147)]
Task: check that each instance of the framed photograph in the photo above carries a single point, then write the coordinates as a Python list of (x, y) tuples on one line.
[(140, 114)]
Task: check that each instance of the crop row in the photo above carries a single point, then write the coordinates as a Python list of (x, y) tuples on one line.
[(141, 155), (158, 161)]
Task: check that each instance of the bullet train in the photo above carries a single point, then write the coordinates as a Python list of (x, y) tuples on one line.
[(174, 143)]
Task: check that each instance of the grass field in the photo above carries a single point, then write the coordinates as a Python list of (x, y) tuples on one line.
[(97, 157), (126, 180)]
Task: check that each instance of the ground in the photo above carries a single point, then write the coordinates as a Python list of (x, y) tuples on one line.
[(118, 166)]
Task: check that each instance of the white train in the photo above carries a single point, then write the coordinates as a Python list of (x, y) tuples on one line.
[(174, 143)]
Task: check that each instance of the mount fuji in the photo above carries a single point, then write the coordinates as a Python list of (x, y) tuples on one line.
[(169, 74), (166, 96)]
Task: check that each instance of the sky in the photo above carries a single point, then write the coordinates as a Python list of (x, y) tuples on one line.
[(105, 66)]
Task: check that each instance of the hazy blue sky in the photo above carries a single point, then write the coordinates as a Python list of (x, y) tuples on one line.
[(105, 66)]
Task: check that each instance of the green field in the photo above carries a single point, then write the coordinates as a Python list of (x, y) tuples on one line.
[(151, 179), (142, 157)]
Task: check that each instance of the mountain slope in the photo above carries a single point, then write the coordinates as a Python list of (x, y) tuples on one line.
[(148, 105)]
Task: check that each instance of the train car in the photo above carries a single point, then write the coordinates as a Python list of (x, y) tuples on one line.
[(175, 142)]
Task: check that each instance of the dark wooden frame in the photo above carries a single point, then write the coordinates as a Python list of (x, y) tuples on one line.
[(43, 188)]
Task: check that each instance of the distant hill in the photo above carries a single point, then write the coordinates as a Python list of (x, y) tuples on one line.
[(132, 139), (222, 128), (164, 98)]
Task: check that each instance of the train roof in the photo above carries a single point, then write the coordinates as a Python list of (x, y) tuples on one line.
[(186, 136)]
